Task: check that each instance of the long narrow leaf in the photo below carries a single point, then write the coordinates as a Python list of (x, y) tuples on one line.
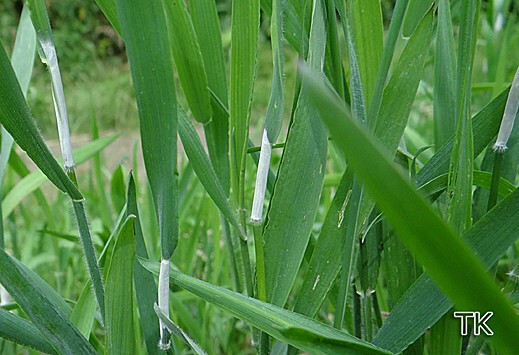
[(17, 120), (446, 258), (119, 293), (45, 315), (424, 302), (295, 329), (298, 187)]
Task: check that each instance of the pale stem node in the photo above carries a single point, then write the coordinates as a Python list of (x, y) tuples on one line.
[(512, 105), (261, 180), (60, 107), (163, 298)]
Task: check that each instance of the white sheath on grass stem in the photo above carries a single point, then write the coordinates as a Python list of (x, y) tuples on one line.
[(58, 96), (261, 180), (512, 105), (163, 298)]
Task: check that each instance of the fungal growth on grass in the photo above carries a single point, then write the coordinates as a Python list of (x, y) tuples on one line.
[(512, 106)]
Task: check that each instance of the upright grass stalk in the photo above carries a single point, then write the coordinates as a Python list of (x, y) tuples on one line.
[(273, 123), (49, 56), (500, 147)]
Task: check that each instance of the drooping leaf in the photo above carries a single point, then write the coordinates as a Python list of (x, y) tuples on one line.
[(295, 329), (51, 321)]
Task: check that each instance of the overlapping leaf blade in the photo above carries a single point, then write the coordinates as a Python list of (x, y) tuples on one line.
[(435, 245), (295, 329)]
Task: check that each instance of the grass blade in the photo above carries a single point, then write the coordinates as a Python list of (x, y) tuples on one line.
[(119, 293), (244, 47), (23, 332), (145, 285), (207, 26), (433, 243), (188, 59), (387, 57), (295, 329), (175, 329), (17, 120), (22, 60), (288, 229), (325, 262), (45, 314), (145, 34), (444, 77), (416, 11), (203, 168), (485, 127), (489, 238)]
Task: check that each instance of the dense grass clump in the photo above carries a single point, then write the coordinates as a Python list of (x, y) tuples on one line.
[(262, 176)]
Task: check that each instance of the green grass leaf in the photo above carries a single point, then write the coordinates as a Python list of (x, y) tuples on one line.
[(145, 285), (424, 302), (416, 11), (298, 187), (295, 329), (368, 40), (51, 321), (23, 332), (244, 47), (17, 120), (120, 328), (188, 60), (435, 245), (145, 34), (203, 168), (206, 22), (444, 77)]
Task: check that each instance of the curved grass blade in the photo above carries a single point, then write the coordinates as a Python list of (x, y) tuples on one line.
[(288, 229), (119, 293), (188, 60), (146, 37), (446, 258), (23, 332), (35, 179), (367, 37), (295, 329), (203, 168), (51, 321), (424, 302), (17, 120)]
